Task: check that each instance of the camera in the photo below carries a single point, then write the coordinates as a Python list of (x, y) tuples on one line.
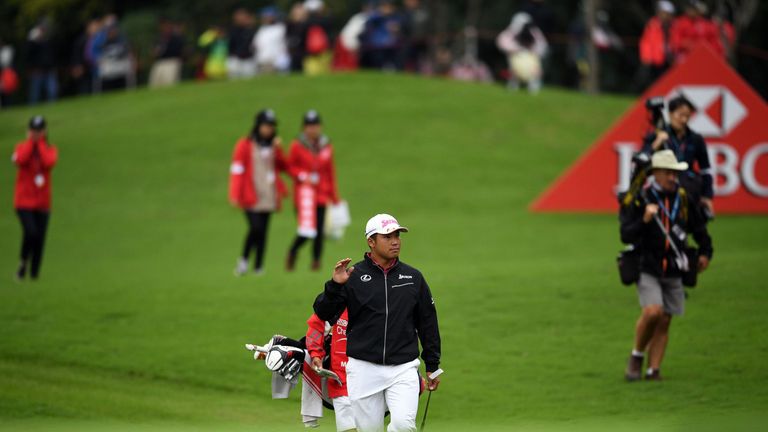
[(655, 107)]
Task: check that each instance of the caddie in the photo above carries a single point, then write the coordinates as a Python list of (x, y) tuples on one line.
[(390, 310), (659, 222)]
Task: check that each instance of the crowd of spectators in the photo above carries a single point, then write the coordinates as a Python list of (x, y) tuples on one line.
[(382, 35), (667, 39)]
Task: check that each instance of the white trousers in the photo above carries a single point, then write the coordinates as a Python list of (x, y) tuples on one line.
[(375, 388), (312, 409), (345, 419)]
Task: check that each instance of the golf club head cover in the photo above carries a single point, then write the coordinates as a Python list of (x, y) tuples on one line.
[(285, 360)]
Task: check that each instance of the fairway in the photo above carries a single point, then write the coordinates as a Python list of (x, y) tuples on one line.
[(138, 323)]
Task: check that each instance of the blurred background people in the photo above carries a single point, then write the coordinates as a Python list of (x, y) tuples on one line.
[(347, 49), (9, 79), (241, 62), (81, 67), (34, 158), (693, 28), (115, 68), (255, 185), (317, 39), (525, 46), (310, 163), (295, 31), (41, 62), (432, 38), (382, 40), (213, 42), (417, 35), (168, 53), (270, 43), (655, 49)]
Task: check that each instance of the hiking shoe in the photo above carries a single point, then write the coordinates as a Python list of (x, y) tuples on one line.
[(290, 262), (634, 370), (315, 265), (242, 267), (653, 375)]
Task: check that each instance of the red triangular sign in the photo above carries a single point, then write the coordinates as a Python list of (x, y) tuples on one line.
[(729, 116)]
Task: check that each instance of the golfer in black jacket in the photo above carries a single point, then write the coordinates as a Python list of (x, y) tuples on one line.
[(390, 309)]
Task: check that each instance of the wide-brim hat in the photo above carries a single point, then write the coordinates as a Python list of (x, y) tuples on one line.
[(666, 159)]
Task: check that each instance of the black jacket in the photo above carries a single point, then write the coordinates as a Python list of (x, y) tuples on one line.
[(389, 312), (651, 239), (692, 149)]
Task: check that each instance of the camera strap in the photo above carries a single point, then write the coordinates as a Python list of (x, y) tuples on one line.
[(675, 205), (681, 258)]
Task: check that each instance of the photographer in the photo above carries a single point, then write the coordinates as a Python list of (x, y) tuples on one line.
[(659, 221), (34, 158), (688, 147)]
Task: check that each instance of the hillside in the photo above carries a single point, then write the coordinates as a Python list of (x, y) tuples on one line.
[(138, 320)]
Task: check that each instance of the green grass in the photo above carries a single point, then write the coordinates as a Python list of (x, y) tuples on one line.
[(138, 323)]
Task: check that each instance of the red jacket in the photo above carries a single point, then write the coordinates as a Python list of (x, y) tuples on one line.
[(35, 161), (687, 32), (303, 162), (242, 190), (653, 43), (316, 348)]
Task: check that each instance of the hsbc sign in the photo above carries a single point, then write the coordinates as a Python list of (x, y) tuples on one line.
[(718, 110), (729, 114)]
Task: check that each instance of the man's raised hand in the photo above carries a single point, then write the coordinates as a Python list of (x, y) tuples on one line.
[(341, 272)]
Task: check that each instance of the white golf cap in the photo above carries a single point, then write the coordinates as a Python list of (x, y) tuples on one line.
[(382, 224), (665, 159), (666, 6)]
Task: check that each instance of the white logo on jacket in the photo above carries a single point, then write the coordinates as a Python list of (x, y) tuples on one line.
[(365, 277), (404, 276)]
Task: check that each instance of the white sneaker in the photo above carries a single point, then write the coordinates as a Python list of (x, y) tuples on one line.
[(242, 267), (258, 271)]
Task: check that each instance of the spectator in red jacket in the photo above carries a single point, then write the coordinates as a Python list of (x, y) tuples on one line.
[(655, 49), (310, 163), (35, 158), (692, 29), (255, 185)]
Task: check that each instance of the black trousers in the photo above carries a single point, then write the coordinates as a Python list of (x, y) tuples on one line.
[(317, 246), (256, 238), (34, 225)]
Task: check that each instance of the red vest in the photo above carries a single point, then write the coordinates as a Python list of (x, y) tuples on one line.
[(315, 338), (303, 162), (242, 190)]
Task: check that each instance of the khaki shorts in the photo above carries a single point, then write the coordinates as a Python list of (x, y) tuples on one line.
[(667, 292)]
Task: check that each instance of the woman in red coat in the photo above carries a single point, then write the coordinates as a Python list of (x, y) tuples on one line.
[(35, 158), (255, 185), (310, 163)]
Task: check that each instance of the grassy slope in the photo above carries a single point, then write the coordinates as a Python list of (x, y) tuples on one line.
[(138, 319)]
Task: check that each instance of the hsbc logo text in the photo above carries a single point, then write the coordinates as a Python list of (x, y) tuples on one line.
[(727, 170), (718, 110)]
